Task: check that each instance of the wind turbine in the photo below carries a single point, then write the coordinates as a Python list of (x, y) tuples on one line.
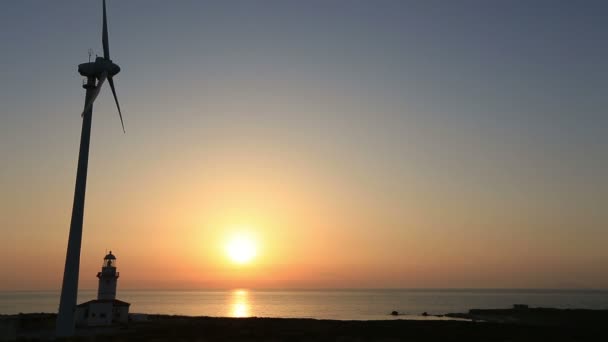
[(96, 73)]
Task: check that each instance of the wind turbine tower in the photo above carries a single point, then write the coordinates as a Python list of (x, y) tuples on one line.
[(97, 73)]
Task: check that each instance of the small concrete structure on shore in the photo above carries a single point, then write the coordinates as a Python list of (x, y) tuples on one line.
[(106, 309)]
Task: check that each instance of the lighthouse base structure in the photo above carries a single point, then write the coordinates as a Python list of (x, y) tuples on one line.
[(101, 312)]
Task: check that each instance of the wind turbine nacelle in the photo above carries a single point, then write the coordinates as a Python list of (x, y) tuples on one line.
[(95, 69)]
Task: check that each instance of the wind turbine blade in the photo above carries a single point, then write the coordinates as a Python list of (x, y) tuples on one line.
[(104, 38), (96, 91), (111, 82)]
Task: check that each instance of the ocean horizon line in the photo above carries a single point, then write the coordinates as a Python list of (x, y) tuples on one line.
[(321, 289)]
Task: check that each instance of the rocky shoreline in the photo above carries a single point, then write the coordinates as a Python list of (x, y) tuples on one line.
[(537, 324), (537, 316)]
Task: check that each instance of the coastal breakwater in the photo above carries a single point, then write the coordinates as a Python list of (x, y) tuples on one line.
[(537, 316)]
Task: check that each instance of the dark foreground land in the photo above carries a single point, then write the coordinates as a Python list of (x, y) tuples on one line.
[(504, 325)]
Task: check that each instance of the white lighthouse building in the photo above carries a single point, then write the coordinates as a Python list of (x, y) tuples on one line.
[(106, 309)]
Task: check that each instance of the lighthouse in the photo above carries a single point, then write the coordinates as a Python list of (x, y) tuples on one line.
[(108, 278), (106, 309)]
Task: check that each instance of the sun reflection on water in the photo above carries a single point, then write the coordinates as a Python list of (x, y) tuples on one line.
[(240, 306)]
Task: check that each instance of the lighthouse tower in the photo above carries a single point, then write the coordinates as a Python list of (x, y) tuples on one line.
[(108, 278), (106, 309)]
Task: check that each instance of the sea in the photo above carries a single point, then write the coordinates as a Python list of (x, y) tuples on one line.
[(372, 304)]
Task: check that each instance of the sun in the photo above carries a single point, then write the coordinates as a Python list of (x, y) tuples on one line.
[(241, 249)]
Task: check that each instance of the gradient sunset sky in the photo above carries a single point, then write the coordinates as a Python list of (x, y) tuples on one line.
[(359, 143)]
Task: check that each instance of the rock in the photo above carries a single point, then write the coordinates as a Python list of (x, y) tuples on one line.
[(395, 313)]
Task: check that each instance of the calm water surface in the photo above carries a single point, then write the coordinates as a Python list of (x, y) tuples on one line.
[(330, 304)]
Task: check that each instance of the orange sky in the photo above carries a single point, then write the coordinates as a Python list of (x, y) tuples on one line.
[(311, 230)]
